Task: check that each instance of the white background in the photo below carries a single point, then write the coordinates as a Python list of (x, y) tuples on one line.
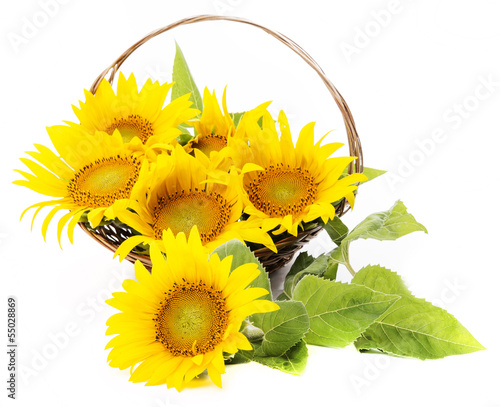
[(416, 67)]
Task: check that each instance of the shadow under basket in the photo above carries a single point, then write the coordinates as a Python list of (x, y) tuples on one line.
[(113, 234)]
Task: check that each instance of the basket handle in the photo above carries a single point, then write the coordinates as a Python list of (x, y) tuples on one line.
[(352, 134)]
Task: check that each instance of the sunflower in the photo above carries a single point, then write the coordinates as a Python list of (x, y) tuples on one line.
[(214, 126), (92, 174), (216, 129), (181, 194), (178, 320), (285, 184), (138, 115)]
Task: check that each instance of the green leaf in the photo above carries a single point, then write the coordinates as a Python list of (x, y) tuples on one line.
[(242, 356), (302, 261), (371, 173), (312, 266), (387, 225), (236, 117), (412, 326), (184, 82), (243, 255), (293, 362), (282, 328), (339, 312), (252, 332), (336, 230), (184, 138), (331, 271), (418, 329), (339, 255)]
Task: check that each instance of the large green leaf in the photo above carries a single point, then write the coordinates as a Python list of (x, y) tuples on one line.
[(412, 326), (293, 362), (282, 328), (339, 312), (184, 82), (243, 255)]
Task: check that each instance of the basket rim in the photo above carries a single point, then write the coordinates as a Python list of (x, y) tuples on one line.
[(354, 141)]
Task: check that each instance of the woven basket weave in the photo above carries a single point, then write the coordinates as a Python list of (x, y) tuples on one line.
[(112, 235)]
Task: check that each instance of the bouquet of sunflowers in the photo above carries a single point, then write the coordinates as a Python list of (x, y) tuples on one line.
[(207, 203)]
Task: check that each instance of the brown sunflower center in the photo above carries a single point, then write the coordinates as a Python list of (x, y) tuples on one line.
[(192, 319), (212, 142), (132, 126), (281, 190), (102, 182), (181, 211)]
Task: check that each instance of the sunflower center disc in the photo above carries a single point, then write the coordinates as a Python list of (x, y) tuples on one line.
[(132, 126), (282, 190), (104, 181), (180, 212), (212, 142), (192, 320)]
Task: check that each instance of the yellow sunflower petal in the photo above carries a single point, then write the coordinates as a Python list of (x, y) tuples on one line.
[(75, 213), (215, 376), (128, 245)]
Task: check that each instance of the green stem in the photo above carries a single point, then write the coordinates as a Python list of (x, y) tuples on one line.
[(347, 264), (349, 267)]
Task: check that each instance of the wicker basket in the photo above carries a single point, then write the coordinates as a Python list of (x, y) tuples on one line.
[(113, 234)]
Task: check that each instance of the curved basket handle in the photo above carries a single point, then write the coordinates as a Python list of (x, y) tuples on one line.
[(352, 134)]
